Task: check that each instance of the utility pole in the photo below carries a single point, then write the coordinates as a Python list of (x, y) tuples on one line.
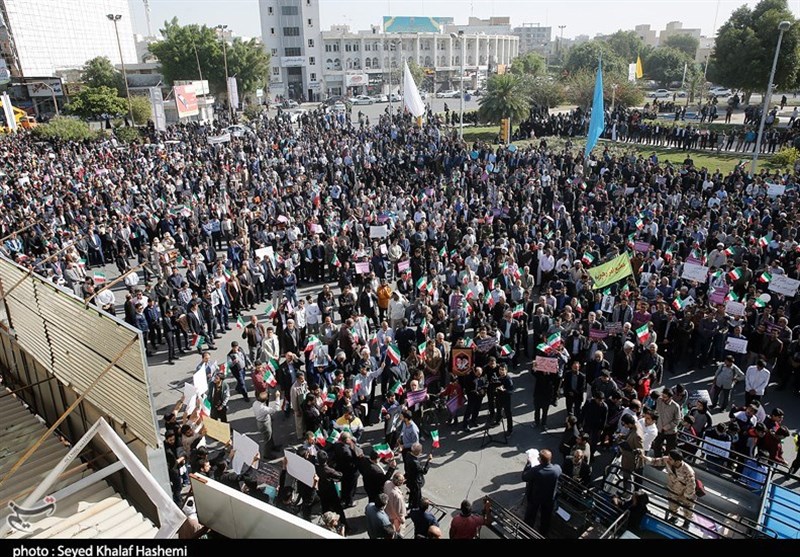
[(225, 60), (560, 40), (114, 19)]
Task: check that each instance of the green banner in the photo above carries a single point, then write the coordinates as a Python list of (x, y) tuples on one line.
[(609, 273)]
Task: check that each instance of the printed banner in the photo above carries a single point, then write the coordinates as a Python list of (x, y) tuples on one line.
[(362, 267), (597, 334), (609, 273), (738, 345), (642, 246), (462, 361), (381, 231), (545, 365), (734, 308), (697, 273), (784, 285)]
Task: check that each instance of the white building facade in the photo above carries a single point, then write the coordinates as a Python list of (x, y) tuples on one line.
[(40, 37), (359, 62), (290, 31)]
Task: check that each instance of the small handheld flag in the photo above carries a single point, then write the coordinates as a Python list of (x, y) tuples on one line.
[(435, 439), (643, 333)]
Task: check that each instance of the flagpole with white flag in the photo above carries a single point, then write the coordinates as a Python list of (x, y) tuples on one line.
[(411, 98)]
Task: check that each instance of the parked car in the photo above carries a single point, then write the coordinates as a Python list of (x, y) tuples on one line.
[(660, 94), (681, 94), (338, 107), (362, 99), (288, 103), (449, 94), (720, 92), (238, 130)]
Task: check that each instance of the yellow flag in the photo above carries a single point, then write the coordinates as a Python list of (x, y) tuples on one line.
[(609, 273), (639, 71)]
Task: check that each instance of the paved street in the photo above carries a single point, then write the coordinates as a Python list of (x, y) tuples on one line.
[(461, 469)]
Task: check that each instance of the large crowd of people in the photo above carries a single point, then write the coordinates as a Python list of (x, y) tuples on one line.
[(415, 245)]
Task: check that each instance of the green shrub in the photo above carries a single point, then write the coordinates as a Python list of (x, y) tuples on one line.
[(63, 129), (127, 135), (785, 157)]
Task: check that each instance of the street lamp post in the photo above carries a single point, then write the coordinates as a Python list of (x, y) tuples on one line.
[(560, 40), (225, 61), (460, 37), (613, 95), (782, 27), (114, 19)]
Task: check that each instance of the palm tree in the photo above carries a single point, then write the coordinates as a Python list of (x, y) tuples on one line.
[(505, 98)]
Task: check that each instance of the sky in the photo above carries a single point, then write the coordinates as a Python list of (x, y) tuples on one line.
[(593, 16)]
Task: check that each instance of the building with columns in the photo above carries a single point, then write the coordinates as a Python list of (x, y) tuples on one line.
[(358, 62)]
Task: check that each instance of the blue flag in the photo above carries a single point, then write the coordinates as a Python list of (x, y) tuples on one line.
[(598, 121)]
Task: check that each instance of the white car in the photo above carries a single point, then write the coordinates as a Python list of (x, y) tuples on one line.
[(661, 94), (720, 92), (238, 130), (451, 94), (362, 99), (288, 103)]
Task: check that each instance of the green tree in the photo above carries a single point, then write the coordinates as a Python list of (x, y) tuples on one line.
[(92, 102), (745, 46), (505, 98), (666, 64), (418, 73), (580, 89), (544, 91), (142, 109), (100, 72), (530, 64), (627, 45), (585, 56), (685, 43), (247, 61), (64, 129)]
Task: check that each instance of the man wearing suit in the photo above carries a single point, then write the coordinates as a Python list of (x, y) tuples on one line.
[(574, 384), (197, 327), (541, 490), (509, 333), (623, 313), (373, 473), (539, 324), (290, 340)]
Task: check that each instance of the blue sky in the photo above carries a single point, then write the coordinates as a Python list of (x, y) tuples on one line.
[(581, 17)]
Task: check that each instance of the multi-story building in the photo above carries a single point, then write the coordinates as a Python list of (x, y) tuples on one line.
[(534, 38), (290, 30), (359, 62), (676, 28), (40, 37), (649, 36)]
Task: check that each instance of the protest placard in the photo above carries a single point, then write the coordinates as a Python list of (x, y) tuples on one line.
[(784, 285), (299, 468), (380, 231), (246, 450), (362, 267), (403, 265), (695, 272), (734, 308), (608, 304), (597, 334), (774, 190), (738, 345), (200, 382), (718, 295), (641, 246), (218, 430), (545, 365)]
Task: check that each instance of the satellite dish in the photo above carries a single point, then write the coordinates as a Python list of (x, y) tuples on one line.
[(765, 298)]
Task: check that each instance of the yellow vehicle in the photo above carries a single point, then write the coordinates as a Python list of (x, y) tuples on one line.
[(23, 119)]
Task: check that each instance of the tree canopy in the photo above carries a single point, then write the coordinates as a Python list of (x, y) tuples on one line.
[(100, 72), (627, 45), (92, 102), (505, 98), (685, 43), (666, 64), (530, 64), (585, 56), (247, 61), (745, 47)]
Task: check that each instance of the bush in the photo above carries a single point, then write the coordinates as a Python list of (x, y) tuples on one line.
[(253, 111), (64, 129), (142, 110), (786, 157), (127, 135)]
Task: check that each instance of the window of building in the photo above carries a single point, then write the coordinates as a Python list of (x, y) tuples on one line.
[(310, 43), (289, 10), (271, 30), (274, 51), (355, 47), (310, 24), (270, 10), (311, 61), (291, 31), (347, 48), (313, 77), (367, 47), (368, 63), (291, 51), (276, 71)]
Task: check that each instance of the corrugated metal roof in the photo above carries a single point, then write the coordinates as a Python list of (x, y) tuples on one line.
[(94, 511)]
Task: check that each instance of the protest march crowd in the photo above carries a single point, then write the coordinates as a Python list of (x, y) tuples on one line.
[(436, 269)]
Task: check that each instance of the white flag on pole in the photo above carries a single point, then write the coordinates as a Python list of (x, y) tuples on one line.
[(632, 72), (233, 93), (411, 96)]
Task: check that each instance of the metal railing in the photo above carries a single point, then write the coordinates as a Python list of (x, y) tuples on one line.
[(508, 525)]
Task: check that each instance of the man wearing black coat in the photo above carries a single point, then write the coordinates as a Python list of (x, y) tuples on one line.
[(374, 475), (541, 490), (416, 468), (574, 383)]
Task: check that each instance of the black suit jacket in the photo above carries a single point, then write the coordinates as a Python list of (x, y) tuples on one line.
[(542, 482)]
